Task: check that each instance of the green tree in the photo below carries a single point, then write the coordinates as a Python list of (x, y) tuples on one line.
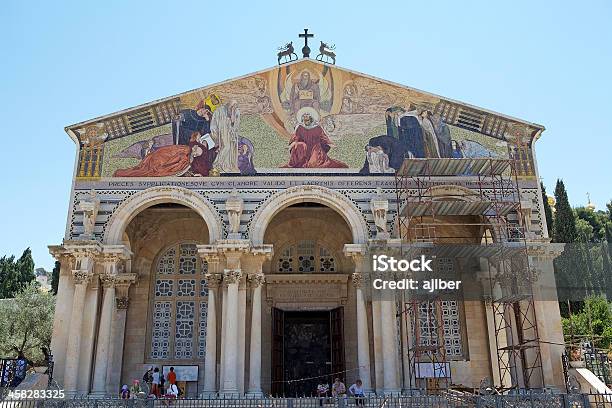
[(26, 322), (594, 320), (564, 226), (55, 277), (547, 211), (596, 219), (25, 268), (15, 275), (8, 282)]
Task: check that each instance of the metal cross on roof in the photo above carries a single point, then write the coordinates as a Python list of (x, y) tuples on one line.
[(306, 48)]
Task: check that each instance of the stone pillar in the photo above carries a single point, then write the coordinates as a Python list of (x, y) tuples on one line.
[(389, 347), (122, 302), (356, 253), (210, 362), (363, 343), (231, 277), (63, 310), (255, 280), (232, 249), (104, 332), (81, 278), (242, 300)]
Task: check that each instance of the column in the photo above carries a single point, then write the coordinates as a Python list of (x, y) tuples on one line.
[(242, 293), (255, 281), (363, 341), (81, 278), (389, 346), (231, 277), (122, 302), (104, 332), (210, 362)]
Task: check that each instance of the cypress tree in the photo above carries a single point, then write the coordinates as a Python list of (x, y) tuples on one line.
[(55, 277), (564, 225), (547, 211), (25, 268)]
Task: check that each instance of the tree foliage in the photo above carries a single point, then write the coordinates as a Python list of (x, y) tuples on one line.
[(55, 277), (26, 322), (594, 320), (564, 225), (548, 214), (16, 274)]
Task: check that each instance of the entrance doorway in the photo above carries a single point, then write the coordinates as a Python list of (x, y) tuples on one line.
[(306, 345)]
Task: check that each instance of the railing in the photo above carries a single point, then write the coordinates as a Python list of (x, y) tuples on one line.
[(531, 400)]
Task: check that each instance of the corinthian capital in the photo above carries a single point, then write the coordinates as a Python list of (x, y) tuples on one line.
[(108, 280), (81, 276), (231, 276), (357, 279), (213, 280), (256, 280)]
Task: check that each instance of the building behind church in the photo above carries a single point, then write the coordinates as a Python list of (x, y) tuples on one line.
[(227, 231)]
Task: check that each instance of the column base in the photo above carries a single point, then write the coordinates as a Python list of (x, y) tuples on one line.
[(230, 394), (392, 391), (255, 394)]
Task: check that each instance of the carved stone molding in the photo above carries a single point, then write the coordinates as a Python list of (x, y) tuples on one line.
[(256, 280), (122, 302), (357, 279), (213, 280), (234, 206), (231, 276), (81, 277), (107, 280)]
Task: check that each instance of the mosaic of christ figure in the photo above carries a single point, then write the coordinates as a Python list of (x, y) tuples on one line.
[(309, 145)]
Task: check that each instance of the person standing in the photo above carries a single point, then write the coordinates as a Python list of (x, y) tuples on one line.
[(356, 391), (172, 376), (156, 382), (147, 379)]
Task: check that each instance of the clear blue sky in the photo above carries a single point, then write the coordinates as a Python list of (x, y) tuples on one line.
[(549, 62)]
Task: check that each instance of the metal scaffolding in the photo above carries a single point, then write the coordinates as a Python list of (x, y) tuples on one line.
[(470, 208)]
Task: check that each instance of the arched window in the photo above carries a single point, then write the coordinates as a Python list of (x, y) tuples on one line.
[(180, 305), (306, 256)]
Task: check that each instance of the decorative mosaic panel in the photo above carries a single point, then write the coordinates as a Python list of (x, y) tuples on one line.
[(302, 117)]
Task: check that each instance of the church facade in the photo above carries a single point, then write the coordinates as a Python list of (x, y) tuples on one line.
[(227, 232)]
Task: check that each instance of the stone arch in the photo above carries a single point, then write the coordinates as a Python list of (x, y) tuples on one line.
[(142, 200), (313, 194), (451, 192)]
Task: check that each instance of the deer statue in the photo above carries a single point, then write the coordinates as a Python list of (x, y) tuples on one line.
[(326, 53), (286, 52)]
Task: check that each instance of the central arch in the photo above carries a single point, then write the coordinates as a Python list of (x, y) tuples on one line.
[(313, 194)]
